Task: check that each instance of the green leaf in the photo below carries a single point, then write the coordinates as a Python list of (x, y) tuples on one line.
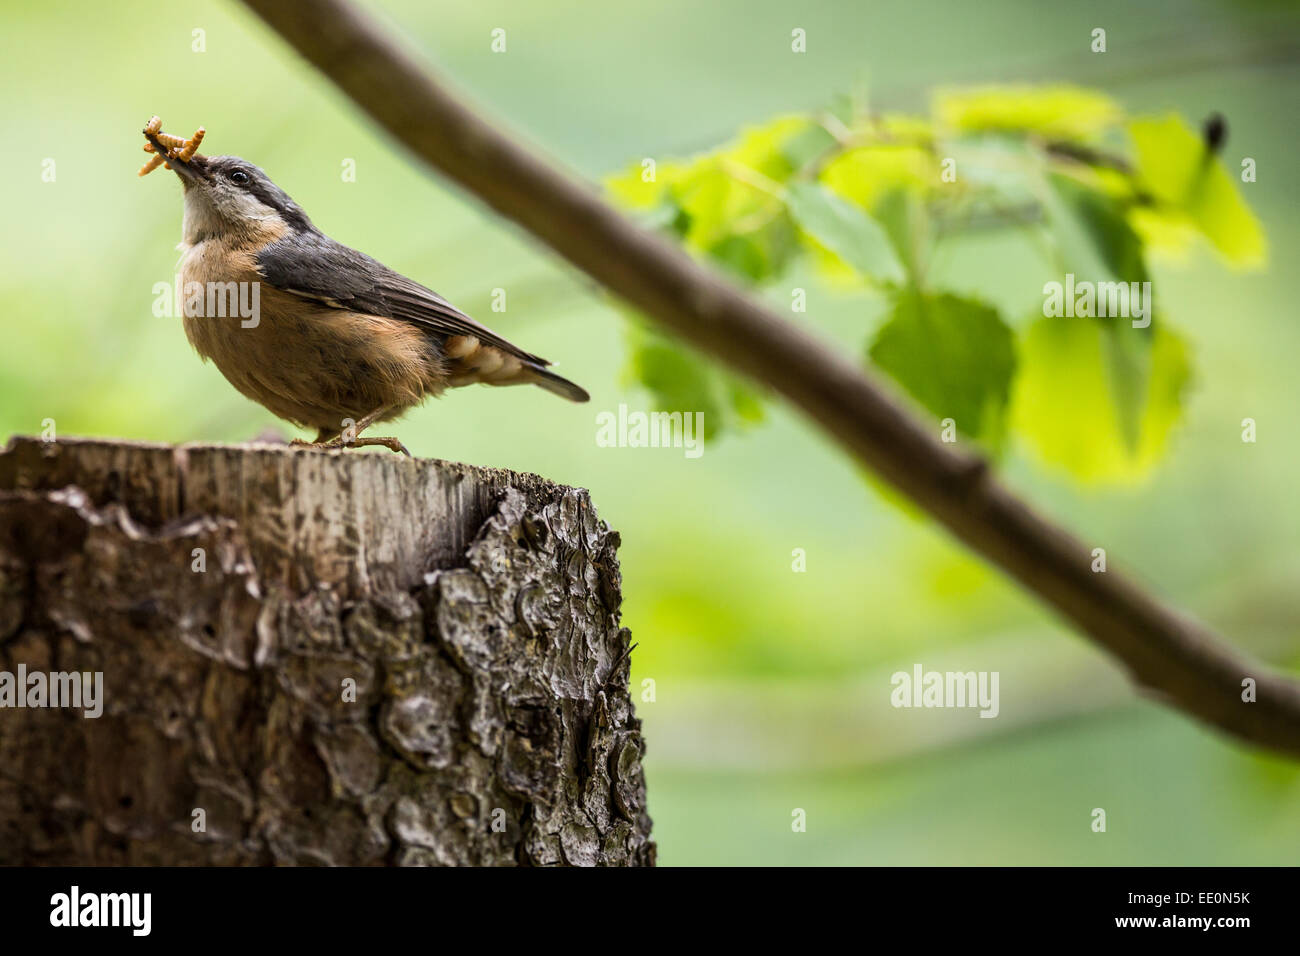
[(1097, 244), (902, 214), (777, 148), (738, 224), (728, 203), (1056, 112), (633, 188), (745, 402), (891, 182), (1128, 364), (731, 201), (712, 202), (681, 380), (743, 255), (955, 356), (844, 229), (1175, 166), (1063, 402), (867, 174), (1092, 233), (806, 145)]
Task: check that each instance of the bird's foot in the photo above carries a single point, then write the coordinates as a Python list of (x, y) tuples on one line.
[(392, 444)]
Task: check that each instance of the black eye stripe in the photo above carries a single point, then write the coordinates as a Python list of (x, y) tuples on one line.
[(253, 182)]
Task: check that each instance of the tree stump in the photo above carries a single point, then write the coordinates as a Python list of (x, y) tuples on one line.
[(309, 657)]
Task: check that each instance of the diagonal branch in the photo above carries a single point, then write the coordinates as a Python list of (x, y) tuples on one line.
[(1173, 657)]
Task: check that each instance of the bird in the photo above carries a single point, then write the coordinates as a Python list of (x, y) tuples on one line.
[(339, 341)]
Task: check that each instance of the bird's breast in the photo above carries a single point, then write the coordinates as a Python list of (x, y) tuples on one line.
[(307, 362)]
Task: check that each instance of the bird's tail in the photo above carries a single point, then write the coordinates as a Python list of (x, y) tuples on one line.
[(556, 384), (470, 362)]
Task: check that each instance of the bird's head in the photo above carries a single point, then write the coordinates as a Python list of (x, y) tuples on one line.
[(227, 194)]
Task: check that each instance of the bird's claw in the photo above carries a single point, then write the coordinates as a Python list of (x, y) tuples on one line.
[(392, 444)]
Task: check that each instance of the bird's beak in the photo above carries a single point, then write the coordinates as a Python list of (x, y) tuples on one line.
[(191, 172)]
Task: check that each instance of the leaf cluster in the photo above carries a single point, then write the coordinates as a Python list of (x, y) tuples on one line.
[(873, 201)]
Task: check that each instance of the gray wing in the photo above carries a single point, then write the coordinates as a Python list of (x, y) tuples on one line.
[(314, 266)]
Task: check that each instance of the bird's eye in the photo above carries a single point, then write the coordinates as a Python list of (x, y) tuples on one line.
[(239, 177)]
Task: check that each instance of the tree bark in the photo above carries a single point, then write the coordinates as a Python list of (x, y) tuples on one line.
[(311, 658)]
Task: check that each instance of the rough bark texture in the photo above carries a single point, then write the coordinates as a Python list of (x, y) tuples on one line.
[(475, 612)]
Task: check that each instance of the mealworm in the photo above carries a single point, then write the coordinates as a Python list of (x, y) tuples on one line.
[(174, 146), (170, 141), (188, 150)]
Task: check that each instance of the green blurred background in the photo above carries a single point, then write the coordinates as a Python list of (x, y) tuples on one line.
[(770, 687)]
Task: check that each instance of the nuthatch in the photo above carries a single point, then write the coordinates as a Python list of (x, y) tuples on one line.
[(341, 341)]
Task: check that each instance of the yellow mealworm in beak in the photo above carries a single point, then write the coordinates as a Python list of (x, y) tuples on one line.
[(175, 147), (170, 141), (188, 150)]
